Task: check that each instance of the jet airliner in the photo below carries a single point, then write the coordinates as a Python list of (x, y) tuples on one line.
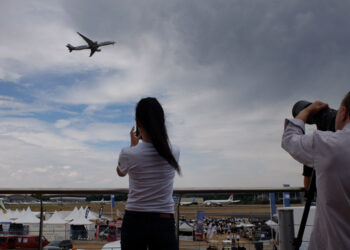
[(230, 200), (189, 203), (93, 46)]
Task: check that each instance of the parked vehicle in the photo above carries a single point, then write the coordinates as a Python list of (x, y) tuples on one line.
[(114, 245), (21, 241), (59, 245)]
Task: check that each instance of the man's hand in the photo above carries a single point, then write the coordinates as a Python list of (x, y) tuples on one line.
[(134, 140), (311, 110)]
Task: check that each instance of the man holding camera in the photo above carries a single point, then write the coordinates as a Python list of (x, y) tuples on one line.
[(329, 154)]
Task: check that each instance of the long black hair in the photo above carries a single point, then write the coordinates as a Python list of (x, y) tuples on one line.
[(346, 102), (150, 115)]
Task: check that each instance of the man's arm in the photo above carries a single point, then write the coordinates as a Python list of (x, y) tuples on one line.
[(311, 110), (298, 145)]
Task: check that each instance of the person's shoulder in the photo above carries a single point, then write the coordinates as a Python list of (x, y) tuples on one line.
[(131, 150), (125, 150), (330, 136)]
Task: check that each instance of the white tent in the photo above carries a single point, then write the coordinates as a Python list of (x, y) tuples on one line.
[(30, 221), (185, 227), (91, 215), (72, 215), (55, 219), (80, 221), (16, 213), (271, 223), (56, 228), (63, 214), (4, 218), (186, 232), (37, 214), (4, 221), (27, 218), (13, 214)]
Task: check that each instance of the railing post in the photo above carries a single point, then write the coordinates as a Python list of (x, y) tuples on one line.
[(41, 224), (286, 228), (178, 221)]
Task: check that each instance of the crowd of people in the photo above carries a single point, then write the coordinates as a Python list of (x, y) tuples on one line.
[(233, 228)]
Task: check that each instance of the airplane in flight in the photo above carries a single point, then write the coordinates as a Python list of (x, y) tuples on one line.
[(230, 200), (93, 46)]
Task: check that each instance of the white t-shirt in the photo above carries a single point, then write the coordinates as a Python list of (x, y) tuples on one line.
[(151, 178)]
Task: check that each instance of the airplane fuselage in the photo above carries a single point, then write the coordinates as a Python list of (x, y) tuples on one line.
[(80, 47), (94, 46), (105, 43)]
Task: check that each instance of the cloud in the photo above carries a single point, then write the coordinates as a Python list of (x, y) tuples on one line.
[(98, 132), (227, 74), (41, 170), (62, 123)]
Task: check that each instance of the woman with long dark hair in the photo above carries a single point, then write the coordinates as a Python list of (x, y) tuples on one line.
[(151, 165)]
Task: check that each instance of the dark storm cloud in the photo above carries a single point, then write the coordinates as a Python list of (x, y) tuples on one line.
[(279, 48), (269, 50)]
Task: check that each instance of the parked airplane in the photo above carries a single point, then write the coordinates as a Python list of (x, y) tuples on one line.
[(230, 200), (93, 46), (102, 201), (189, 203)]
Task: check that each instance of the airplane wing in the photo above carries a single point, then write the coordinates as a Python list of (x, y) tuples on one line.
[(86, 39), (93, 50)]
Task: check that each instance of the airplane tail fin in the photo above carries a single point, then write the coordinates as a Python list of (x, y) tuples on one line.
[(2, 205), (70, 47), (231, 197)]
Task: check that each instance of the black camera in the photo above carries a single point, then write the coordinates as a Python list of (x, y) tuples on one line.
[(324, 119)]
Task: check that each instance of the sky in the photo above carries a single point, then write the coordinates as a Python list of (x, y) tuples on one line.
[(227, 74)]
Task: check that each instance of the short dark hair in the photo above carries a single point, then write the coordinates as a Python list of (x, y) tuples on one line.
[(346, 102)]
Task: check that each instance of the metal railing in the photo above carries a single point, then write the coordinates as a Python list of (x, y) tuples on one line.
[(40, 192)]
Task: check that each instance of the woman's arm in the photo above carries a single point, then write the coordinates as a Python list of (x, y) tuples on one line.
[(120, 173)]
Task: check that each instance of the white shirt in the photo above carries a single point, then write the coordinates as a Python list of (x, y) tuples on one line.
[(329, 153), (151, 178)]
